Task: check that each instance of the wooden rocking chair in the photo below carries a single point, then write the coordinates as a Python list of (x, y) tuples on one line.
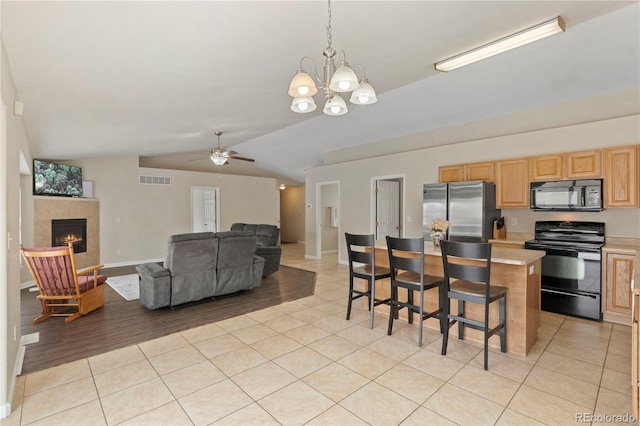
[(63, 290)]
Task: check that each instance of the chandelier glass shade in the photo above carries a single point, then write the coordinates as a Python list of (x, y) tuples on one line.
[(342, 79), (303, 105), (335, 106)]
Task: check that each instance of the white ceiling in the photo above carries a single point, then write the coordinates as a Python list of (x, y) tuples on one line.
[(158, 78)]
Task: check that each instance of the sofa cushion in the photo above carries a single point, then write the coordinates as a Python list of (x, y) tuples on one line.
[(192, 258), (235, 261), (268, 235)]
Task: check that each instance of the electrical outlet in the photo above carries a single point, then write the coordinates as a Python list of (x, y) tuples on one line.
[(514, 221), (118, 252)]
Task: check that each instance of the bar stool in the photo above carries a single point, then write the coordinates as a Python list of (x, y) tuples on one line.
[(362, 264), (408, 272), (472, 285)]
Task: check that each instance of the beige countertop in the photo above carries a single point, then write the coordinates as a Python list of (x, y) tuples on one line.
[(509, 256), (508, 241)]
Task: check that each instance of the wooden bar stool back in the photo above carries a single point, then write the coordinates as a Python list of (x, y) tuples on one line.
[(406, 258), (362, 264), (467, 282)]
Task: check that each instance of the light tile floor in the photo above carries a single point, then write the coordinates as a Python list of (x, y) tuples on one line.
[(303, 363)]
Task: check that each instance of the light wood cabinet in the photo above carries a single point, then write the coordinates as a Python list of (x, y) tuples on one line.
[(622, 179), (512, 183), (480, 171), (617, 279), (582, 165), (545, 167), (464, 172), (453, 173)]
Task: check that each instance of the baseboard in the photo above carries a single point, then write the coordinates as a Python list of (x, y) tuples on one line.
[(308, 256), (5, 409), (132, 262)]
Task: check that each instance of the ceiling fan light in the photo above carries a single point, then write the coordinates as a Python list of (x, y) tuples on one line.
[(302, 85), (303, 105), (335, 106), (344, 79), (218, 160), (364, 95)]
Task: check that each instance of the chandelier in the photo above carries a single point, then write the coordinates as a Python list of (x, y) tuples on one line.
[(305, 85)]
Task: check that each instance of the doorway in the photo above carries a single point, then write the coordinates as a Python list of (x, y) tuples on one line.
[(388, 200), (328, 218), (205, 209)]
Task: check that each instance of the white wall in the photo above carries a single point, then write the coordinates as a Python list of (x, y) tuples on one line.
[(421, 166), (137, 219), (14, 132), (329, 197)]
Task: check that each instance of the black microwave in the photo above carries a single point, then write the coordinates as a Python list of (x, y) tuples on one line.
[(567, 195)]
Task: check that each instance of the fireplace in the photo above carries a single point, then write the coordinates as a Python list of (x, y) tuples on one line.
[(67, 231)]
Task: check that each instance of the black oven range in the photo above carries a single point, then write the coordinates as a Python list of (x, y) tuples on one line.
[(571, 269)]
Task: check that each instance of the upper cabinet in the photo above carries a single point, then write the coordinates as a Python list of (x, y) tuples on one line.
[(619, 167), (480, 171), (582, 165), (453, 173), (622, 176), (512, 183), (464, 172), (545, 167)]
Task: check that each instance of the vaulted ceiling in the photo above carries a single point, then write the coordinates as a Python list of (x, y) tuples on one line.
[(156, 79)]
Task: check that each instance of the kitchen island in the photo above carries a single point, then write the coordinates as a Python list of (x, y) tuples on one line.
[(518, 270)]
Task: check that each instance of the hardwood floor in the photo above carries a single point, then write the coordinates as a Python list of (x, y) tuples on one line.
[(120, 323)]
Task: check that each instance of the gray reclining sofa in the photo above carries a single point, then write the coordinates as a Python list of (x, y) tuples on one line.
[(199, 266), (268, 244)]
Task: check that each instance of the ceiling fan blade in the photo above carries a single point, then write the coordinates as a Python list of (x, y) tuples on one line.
[(199, 158), (242, 158)]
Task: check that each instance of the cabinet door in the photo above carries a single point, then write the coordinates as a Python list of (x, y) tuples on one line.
[(480, 171), (619, 274), (621, 176), (512, 183), (582, 165), (546, 167), (453, 173)]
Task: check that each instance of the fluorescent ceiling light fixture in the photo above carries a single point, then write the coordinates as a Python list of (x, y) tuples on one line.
[(537, 32)]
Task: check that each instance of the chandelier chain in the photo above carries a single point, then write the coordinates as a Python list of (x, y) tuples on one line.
[(329, 35)]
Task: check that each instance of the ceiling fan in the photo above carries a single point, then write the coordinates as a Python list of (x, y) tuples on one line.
[(220, 155)]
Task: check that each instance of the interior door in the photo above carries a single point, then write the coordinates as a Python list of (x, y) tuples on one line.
[(203, 210), (387, 208)]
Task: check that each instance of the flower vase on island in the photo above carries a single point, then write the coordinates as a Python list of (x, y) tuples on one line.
[(438, 228), (436, 237)]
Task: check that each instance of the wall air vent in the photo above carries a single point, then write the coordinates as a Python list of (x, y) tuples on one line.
[(155, 180)]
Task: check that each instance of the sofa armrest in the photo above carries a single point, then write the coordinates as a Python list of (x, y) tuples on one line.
[(155, 285), (268, 250), (152, 270)]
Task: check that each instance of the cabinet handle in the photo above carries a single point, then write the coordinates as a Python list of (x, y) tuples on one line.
[(636, 307)]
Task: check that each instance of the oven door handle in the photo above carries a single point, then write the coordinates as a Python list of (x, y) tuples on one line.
[(578, 294)]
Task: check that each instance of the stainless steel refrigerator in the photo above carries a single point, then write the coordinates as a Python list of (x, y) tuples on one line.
[(470, 207)]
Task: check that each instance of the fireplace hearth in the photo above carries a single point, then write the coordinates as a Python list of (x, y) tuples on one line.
[(65, 231)]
